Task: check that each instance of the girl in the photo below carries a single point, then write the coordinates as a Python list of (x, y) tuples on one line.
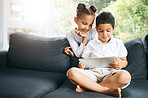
[(78, 37)]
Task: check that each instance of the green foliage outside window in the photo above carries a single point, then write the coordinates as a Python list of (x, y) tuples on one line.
[(131, 16)]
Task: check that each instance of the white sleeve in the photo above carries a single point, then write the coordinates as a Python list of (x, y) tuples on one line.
[(87, 51), (77, 49), (122, 49)]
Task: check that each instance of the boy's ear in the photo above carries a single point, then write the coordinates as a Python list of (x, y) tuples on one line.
[(114, 27), (75, 20)]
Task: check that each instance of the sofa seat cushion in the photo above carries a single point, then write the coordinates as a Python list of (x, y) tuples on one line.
[(21, 83), (137, 89), (67, 90)]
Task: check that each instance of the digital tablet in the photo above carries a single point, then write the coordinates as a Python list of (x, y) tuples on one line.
[(97, 62)]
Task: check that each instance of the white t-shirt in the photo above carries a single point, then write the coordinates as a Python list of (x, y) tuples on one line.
[(95, 48), (75, 40)]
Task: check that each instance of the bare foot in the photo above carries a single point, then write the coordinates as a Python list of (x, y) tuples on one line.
[(114, 92), (79, 89)]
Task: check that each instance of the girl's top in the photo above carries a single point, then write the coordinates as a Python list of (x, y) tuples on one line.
[(75, 40)]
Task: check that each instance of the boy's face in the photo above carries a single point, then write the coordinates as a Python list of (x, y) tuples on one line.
[(105, 32), (84, 23)]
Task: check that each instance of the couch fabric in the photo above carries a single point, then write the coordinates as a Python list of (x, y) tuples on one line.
[(35, 67), (34, 52), (145, 41)]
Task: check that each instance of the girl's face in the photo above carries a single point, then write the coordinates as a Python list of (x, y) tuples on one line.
[(105, 32), (84, 22)]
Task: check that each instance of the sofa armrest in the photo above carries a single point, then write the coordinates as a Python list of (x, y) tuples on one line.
[(145, 42), (3, 54)]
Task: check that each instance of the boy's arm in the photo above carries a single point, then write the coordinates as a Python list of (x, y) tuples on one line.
[(123, 62), (81, 66), (86, 54), (119, 63)]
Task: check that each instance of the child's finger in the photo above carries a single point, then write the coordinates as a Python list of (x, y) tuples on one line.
[(67, 47), (71, 53), (67, 52)]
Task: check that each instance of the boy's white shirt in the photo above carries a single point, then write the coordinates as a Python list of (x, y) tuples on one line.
[(114, 48), (75, 40)]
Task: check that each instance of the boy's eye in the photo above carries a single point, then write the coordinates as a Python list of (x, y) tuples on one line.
[(108, 30), (100, 31)]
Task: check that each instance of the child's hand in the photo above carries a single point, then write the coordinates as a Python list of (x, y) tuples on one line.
[(116, 64), (80, 33), (81, 66), (68, 51)]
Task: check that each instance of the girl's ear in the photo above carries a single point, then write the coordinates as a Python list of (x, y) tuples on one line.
[(75, 20)]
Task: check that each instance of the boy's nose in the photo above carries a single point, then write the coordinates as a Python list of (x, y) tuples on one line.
[(104, 33)]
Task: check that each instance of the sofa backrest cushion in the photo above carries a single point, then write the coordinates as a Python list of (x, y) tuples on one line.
[(136, 58), (38, 53), (145, 41)]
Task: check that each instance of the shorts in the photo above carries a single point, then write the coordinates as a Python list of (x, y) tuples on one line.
[(97, 74)]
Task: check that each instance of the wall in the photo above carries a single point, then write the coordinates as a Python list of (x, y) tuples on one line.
[(1, 22)]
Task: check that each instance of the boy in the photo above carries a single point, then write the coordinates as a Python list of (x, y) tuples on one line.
[(108, 80)]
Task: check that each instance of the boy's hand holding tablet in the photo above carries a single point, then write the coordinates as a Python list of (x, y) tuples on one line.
[(98, 62)]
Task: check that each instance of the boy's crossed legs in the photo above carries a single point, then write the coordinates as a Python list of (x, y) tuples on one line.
[(111, 85)]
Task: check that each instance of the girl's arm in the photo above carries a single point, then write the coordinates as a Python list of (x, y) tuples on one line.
[(83, 35), (76, 48)]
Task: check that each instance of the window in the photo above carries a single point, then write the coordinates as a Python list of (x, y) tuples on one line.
[(30, 16), (40, 17), (55, 17)]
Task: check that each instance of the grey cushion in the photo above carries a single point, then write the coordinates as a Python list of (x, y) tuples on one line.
[(145, 41), (39, 53), (20, 83), (136, 58), (3, 58)]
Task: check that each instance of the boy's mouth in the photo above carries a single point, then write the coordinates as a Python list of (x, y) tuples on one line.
[(104, 37)]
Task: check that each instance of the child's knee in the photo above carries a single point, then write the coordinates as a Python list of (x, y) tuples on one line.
[(124, 77), (71, 73)]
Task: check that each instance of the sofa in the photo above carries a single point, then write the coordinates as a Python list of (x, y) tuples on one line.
[(35, 67)]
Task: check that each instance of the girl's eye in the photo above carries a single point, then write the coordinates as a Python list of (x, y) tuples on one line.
[(84, 23)]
